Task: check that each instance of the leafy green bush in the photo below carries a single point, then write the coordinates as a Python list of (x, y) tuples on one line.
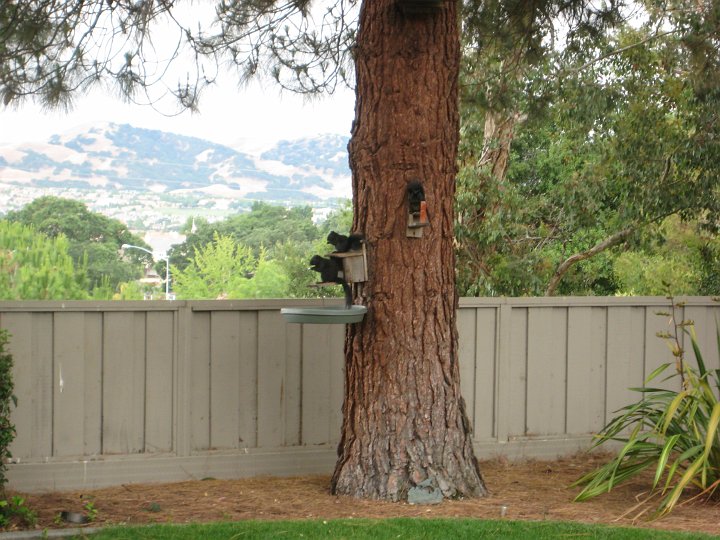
[(36, 267), (7, 399), (14, 507), (673, 431)]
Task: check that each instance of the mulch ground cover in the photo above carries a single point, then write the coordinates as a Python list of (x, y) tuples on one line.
[(529, 490)]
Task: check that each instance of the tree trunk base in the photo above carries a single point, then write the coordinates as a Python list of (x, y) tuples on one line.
[(404, 422)]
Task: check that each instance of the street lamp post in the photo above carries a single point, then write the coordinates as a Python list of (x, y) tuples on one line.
[(167, 266)]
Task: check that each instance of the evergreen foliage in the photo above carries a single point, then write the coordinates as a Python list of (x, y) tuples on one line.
[(93, 239), (263, 227), (55, 48), (281, 240), (34, 266), (224, 269)]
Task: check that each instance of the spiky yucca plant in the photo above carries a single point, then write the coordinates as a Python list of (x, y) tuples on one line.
[(673, 431)]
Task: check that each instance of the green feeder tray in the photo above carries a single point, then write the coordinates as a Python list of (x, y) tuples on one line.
[(324, 315)]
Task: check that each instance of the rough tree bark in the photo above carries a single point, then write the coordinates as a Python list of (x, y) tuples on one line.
[(498, 136), (404, 420)]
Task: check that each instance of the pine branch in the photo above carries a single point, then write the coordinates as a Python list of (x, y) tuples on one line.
[(616, 52)]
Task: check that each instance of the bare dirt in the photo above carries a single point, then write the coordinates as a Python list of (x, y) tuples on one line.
[(531, 490)]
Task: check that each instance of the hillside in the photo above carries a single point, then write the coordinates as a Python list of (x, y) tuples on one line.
[(154, 179)]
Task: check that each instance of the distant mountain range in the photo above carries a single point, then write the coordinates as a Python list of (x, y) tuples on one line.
[(119, 157), (158, 183)]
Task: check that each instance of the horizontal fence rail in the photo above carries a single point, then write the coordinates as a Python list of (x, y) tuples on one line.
[(117, 392)]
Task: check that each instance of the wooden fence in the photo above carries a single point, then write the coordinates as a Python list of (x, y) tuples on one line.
[(119, 392)]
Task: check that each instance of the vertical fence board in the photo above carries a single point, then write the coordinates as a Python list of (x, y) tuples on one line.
[(517, 385), (657, 352), (316, 384), (586, 369), (224, 380), (200, 382), (485, 355), (159, 385), (248, 386), (625, 350), (706, 321), (503, 361), (467, 352), (293, 385), (93, 360), (547, 377), (31, 347), (271, 378), (124, 390), (69, 384), (337, 380)]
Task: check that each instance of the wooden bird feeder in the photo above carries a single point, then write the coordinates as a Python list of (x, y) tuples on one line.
[(354, 270), (354, 264)]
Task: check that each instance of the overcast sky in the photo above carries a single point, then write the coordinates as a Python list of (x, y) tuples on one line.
[(228, 115)]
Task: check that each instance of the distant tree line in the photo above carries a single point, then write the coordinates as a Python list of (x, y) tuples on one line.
[(78, 251), (262, 253), (56, 248)]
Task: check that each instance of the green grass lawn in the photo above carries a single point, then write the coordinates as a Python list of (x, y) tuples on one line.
[(404, 528)]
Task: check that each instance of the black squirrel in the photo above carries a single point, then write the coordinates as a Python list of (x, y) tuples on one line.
[(416, 195), (344, 243), (329, 269)]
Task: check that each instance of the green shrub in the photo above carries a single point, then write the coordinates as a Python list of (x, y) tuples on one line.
[(14, 508), (673, 431), (7, 399)]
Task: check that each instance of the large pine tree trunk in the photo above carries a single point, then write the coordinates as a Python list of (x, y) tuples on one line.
[(403, 418)]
